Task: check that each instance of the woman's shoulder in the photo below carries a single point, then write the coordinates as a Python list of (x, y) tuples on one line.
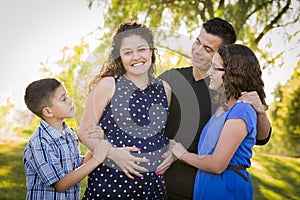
[(106, 82), (105, 85)]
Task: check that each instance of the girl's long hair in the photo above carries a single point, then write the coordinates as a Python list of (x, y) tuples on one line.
[(242, 72)]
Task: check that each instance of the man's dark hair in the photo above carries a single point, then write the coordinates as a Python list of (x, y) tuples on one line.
[(222, 29)]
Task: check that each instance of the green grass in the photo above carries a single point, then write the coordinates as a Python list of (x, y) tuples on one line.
[(274, 177), (12, 177)]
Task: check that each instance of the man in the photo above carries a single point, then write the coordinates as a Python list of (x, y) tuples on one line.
[(191, 105)]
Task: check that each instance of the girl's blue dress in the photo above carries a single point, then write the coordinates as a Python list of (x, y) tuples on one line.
[(229, 184)]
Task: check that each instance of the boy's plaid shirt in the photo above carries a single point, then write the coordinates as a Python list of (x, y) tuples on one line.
[(50, 155)]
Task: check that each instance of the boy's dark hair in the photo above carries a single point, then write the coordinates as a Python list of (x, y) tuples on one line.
[(39, 94), (221, 28)]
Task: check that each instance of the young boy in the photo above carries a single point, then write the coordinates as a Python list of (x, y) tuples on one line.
[(52, 161)]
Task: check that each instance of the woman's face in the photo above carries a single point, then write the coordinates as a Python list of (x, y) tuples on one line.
[(135, 55), (216, 72)]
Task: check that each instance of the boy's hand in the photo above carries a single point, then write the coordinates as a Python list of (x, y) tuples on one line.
[(101, 150), (95, 131)]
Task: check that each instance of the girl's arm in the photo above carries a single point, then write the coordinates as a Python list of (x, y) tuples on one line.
[(233, 133)]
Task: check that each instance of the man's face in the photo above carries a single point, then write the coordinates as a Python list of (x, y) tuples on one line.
[(203, 49)]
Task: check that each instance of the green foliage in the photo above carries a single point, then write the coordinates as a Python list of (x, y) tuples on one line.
[(86, 71), (5, 114), (252, 19), (286, 108), (285, 116), (290, 105), (69, 64)]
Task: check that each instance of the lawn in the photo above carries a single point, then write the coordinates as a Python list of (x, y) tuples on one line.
[(274, 177)]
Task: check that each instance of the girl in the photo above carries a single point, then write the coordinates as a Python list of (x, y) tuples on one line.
[(226, 142)]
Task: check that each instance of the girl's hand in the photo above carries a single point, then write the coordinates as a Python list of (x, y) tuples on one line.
[(169, 158)]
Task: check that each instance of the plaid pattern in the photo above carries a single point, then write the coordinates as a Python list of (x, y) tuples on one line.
[(50, 155)]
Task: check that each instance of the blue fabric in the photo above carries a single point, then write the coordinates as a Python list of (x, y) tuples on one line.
[(134, 117), (229, 185), (50, 155)]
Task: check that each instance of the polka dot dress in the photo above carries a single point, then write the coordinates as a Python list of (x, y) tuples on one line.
[(134, 117)]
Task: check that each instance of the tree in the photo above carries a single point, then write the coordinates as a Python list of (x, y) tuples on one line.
[(286, 108), (6, 110), (252, 19), (71, 62), (285, 115)]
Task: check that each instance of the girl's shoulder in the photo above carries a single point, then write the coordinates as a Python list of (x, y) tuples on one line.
[(241, 105), (241, 108)]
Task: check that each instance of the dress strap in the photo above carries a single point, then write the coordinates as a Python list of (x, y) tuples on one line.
[(237, 169)]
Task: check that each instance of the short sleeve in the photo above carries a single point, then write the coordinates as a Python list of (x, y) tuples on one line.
[(246, 112)]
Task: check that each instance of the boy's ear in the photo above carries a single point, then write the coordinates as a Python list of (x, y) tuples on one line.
[(47, 112)]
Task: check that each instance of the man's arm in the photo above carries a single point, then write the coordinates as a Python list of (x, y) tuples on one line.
[(264, 128)]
